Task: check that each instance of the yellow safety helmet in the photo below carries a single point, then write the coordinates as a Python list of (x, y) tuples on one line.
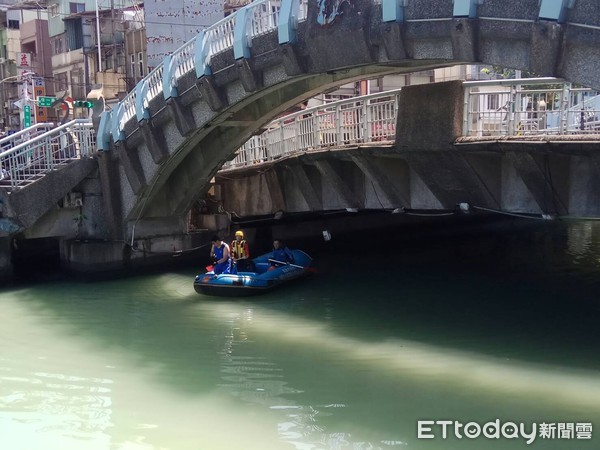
[(239, 233)]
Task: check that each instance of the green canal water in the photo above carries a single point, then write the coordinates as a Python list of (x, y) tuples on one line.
[(478, 323)]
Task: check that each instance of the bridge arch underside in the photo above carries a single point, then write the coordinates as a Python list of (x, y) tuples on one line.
[(166, 163)]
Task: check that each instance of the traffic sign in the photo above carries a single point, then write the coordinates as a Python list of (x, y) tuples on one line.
[(26, 116), (45, 102)]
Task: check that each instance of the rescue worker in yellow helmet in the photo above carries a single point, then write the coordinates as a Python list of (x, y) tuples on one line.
[(240, 253)]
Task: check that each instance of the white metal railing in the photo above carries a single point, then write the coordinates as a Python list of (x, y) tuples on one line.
[(32, 159), (128, 104), (529, 107), (265, 16), (184, 58), (303, 13), (533, 106), (219, 37), (12, 140), (371, 118)]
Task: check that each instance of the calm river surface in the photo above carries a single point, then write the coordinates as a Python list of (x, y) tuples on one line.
[(473, 324)]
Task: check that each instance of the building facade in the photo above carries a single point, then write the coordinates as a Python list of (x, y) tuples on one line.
[(171, 24), (25, 66)]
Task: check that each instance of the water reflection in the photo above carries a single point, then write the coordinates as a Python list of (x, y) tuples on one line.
[(58, 404), (583, 243), (402, 365)]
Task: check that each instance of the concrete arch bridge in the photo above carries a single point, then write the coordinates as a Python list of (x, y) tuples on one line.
[(168, 138), (524, 147), (163, 143)]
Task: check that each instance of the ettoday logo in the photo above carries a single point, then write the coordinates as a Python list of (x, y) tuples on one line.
[(433, 429)]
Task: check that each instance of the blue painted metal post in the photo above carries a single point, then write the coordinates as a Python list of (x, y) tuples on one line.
[(117, 132), (466, 8), (201, 55), (168, 78), (141, 111), (288, 21), (393, 10), (103, 137), (241, 41), (555, 9)]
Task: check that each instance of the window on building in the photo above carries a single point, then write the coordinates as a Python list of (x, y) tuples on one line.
[(53, 10), (77, 84), (74, 34), (141, 63), (109, 61), (57, 46), (61, 81), (13, 24), (493, 102), (75, 8), (132, 66)]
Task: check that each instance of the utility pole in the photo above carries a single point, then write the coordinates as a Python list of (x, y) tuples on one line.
[(98, 37)]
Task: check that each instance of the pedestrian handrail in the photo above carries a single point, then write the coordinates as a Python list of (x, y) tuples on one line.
[(46, 152), (516, 107), (545, 106), (529, 106), (217, 38), (220, 35), (358, 120), (264, 17), (24, 135), (260, 17)]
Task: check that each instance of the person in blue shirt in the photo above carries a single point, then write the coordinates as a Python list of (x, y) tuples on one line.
[(220, 253), (281, 255)]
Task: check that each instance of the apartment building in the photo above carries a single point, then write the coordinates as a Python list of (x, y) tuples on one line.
[(25, 65), (84, 55)]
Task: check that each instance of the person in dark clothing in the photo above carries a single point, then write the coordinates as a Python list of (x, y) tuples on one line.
[(281, 255)]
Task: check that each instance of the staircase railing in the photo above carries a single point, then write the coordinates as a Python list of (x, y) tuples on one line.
[(12, 140), (30, 160)]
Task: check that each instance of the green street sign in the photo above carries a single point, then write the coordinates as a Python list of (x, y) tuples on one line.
[(45, 102), (26, 116)]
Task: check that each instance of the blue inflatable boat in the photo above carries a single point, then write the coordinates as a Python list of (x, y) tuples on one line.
[(257, 281)]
